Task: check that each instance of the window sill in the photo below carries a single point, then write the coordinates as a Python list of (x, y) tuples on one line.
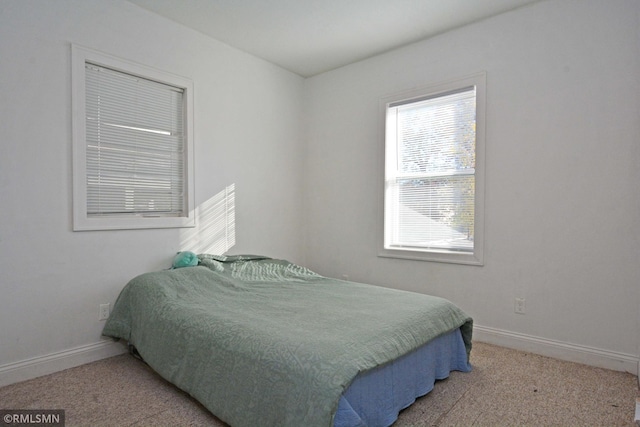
[(434, 256)]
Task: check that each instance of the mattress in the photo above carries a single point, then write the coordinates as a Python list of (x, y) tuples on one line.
[(266, 342)]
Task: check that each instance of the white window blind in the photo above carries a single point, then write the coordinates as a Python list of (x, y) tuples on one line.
[(135, 152), (430, 174), (132, 144)]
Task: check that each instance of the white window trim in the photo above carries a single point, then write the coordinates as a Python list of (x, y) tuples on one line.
[(477, 256), (81, 221)]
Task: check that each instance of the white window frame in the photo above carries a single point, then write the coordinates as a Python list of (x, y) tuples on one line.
[(81, 220), (476, 257)]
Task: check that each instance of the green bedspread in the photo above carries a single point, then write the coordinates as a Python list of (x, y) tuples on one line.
[(263, 342)]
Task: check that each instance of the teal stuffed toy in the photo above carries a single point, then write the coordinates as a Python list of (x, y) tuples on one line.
[(185, 259)]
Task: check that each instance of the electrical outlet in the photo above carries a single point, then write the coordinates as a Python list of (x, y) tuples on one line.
[(103, 313), (519, 306)]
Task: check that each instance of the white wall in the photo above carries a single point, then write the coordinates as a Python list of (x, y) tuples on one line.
[(562, 206), (562, 202), (247, 134)]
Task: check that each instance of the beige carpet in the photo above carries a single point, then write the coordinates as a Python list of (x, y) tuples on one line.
[(505, 388)]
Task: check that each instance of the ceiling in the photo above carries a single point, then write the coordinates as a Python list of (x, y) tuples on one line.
[(309, 37)]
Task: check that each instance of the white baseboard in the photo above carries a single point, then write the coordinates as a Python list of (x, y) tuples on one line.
[(54, 362), (44, 365), (558, 349)]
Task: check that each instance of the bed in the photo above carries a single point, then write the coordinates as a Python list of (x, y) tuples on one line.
[(265, 342)]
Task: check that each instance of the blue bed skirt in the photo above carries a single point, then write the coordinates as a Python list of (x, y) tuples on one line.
[(375, 398)]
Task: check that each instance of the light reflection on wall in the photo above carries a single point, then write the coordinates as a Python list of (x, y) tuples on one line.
[(215, 230)]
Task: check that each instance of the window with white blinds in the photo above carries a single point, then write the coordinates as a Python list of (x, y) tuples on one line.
[(431, 197), (132, 145)]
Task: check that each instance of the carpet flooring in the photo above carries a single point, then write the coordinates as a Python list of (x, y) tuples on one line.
[(505, 388)]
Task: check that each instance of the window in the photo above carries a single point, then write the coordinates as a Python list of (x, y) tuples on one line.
[(132, 145), (433, 173)]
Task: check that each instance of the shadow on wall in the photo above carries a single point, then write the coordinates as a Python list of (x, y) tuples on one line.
[(215, 230)]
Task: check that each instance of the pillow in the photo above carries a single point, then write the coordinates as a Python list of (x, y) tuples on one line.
[(185, 259)]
